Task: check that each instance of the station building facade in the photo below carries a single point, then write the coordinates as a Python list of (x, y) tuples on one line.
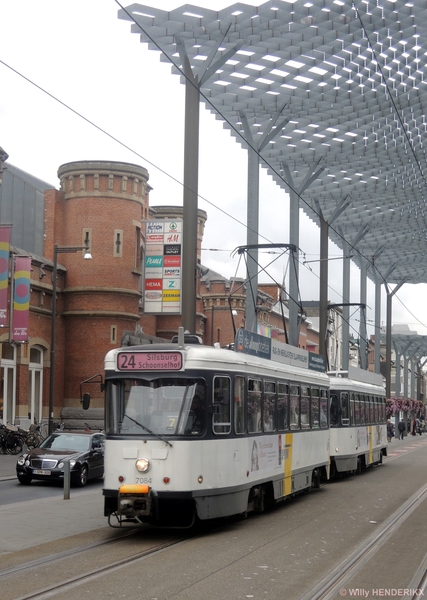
[(102, 205)]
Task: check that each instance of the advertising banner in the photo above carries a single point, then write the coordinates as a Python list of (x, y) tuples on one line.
[(21, 299), (271, 349), (5, 232), (163, 273)]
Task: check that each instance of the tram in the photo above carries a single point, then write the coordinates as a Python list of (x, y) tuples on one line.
[(358, 424), (196, 432)]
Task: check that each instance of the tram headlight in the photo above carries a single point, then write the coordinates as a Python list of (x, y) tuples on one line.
[(143, 465)]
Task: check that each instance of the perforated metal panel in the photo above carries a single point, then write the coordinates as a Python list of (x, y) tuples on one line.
[(349, 78)]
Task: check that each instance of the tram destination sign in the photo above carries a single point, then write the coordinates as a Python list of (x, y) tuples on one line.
[(149, 361)]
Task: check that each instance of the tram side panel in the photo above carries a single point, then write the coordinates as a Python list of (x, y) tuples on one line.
[(220, 475), (358, 421)]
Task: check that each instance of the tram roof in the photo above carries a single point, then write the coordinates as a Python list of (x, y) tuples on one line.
[(340, 86), (198, 356)]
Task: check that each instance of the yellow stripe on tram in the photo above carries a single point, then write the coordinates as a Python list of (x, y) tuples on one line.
[(287, 465)]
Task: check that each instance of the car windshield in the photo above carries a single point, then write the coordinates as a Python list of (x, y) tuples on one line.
[(66, 441), (165, 406)]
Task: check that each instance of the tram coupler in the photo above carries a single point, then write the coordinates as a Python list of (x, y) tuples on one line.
[(134, 501)]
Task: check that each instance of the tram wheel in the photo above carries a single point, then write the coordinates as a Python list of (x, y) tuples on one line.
[(359, 465), (315, 479)]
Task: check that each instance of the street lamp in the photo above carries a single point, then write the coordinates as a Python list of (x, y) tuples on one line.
[(58, 250)]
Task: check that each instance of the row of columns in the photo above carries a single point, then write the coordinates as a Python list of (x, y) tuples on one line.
[(255, 147)]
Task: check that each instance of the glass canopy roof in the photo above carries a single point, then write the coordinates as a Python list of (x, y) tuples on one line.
[(331, 87)]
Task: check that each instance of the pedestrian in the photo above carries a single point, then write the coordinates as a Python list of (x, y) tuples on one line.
[(401, 427), (390, 432), (414, 427)]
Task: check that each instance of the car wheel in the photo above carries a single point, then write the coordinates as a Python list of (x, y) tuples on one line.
[(24, 479), (82, 478)]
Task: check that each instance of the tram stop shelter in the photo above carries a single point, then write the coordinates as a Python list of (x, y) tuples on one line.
[(331, 99)]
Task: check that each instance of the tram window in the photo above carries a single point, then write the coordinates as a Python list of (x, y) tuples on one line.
[(382, 409), (221, 421), (269, 406), (364, 410), (305, 407), (254, 405), (376, 407), (323, 409), (314, 420), (294, 407), (352, 413), (356, 409), (239, 405), (282, 406), (345, 409), (369, 410)]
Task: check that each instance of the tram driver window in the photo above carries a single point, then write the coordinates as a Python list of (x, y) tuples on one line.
[(221, 421)]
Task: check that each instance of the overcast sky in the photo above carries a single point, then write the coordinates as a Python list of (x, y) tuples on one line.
[(118, 102)]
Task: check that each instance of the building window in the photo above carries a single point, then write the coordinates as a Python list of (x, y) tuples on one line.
[(8, 382), (35, 382), (113, 334), (87, 239), (118, 243)]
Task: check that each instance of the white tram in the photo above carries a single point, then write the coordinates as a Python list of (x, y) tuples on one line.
[(201, 432), (357, 419)]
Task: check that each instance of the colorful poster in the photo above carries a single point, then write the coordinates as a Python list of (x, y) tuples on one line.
[(162, 289), (5, 232), (21, 299)]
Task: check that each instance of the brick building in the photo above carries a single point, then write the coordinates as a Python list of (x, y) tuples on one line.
[(105, 206)]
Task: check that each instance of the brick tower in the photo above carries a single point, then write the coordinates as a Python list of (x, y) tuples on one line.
[(102, 204)]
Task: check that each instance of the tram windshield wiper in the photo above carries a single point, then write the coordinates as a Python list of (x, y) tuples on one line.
[(160, 437)]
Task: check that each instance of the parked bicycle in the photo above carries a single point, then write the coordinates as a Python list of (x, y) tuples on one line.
[(33, 438), (11, 441)]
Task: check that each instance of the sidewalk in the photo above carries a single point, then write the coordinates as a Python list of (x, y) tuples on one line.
[(52, 518), (8, 466)]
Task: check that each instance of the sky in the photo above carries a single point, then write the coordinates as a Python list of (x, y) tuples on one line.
[(76, 84)]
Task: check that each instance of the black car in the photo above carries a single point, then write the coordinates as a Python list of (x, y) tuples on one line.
[(84, 452)]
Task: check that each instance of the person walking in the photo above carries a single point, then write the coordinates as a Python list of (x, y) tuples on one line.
[(401, 427), (390, 432)]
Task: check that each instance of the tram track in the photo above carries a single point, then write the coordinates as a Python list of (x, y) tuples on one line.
[(65, 554), (333, 584), (51, 591)]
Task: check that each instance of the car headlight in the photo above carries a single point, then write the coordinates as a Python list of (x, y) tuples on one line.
[(143, 465), (72, 463), (21, 461)]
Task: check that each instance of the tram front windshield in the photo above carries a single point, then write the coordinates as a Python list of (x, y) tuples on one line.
[(163, 406)]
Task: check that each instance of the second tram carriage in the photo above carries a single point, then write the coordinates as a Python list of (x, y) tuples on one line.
[(201, 432), (358, 423)]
